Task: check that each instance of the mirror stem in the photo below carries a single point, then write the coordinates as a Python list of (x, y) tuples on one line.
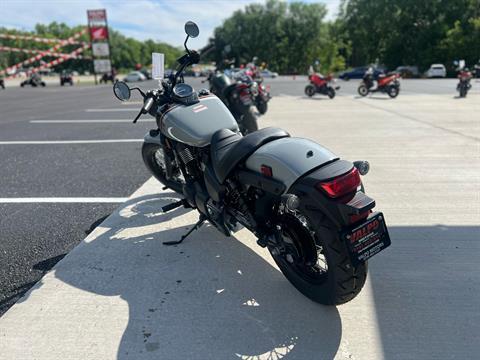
[(185, 44)]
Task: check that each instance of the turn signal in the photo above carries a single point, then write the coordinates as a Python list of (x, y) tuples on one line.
[(341, 185)]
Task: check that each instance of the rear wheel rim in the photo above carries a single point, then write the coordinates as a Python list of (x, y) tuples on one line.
[(363, 90), (293, 258)]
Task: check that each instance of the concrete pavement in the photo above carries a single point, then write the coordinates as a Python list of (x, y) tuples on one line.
[(121, 294)]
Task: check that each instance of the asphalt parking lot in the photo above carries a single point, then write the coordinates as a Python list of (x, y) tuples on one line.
[(61, 178)]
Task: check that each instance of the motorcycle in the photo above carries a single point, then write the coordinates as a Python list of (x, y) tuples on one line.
[(302, 202), (464, 77), (34, 80), (389, 84), (260, 93), (238, 96), (321, 85), (263, 96), (2, 83)]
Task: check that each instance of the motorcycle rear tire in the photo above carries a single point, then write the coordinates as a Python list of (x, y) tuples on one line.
[(340, 283), (310, 90), (149, 151), (463, 91), (362, 90)]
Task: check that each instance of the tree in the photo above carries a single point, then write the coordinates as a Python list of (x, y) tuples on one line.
[(410, 32), (289, 37)]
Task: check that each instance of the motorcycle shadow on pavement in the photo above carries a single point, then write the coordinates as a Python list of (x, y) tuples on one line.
[(209, 298)]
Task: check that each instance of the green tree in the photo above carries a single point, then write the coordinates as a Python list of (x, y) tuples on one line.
[(410, 32), (288, 37)]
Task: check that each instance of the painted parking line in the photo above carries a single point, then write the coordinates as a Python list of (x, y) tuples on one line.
[(88, 121), (111, 110), (57, 142), (54, 200), (132, 103)]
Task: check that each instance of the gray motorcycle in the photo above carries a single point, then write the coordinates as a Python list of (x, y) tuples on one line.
[(302, 202)]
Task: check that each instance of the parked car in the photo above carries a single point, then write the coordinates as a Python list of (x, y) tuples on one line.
[(147, 73), (408, 71), (436, 70), (268, 74), (135, 76), (359, 73)]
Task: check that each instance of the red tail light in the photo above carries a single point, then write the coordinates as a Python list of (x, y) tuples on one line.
[(341, 185)]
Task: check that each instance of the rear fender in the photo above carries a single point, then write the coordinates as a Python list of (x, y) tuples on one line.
[(289, 159), (314, 203)]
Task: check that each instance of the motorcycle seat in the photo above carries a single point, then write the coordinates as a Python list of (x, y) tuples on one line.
[(228, 148)]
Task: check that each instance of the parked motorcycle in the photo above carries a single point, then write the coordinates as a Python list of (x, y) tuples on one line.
[(464, 77), (238, 96), (260, 93), (320, 84), (107, 77), (389, 84), (34, 80), (300, 200)]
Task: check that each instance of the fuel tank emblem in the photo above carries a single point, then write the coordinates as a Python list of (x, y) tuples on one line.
[(199, 108)]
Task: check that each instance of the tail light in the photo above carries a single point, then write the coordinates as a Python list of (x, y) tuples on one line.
[(341, 185)]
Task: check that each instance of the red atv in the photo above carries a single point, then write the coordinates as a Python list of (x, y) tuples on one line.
[(385, 83), (322, 85)]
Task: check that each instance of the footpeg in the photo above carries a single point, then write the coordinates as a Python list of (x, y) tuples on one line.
[(174, 205)]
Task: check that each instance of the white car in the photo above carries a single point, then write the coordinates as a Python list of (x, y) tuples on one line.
[(437, 70), (135, 76), (268, 74)]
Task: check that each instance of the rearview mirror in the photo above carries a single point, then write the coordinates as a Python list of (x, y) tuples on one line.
[(121, 91), (191, 29)]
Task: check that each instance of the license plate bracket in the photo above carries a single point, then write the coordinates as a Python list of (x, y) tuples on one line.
[(367, 239)]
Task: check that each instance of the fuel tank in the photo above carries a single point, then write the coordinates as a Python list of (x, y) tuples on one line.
[(195, 124)]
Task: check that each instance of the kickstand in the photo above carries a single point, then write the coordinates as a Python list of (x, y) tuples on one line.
[(197, 226)]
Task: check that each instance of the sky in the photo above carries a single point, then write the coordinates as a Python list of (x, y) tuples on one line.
[(160, 20)]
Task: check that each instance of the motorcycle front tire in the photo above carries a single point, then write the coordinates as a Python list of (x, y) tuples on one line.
[(331, 93), (262, 107), (249, 121), (149, 155), (393, 91), (463, 92)]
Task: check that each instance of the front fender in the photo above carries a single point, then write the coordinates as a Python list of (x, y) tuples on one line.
[(152, 137), (289, 159)]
